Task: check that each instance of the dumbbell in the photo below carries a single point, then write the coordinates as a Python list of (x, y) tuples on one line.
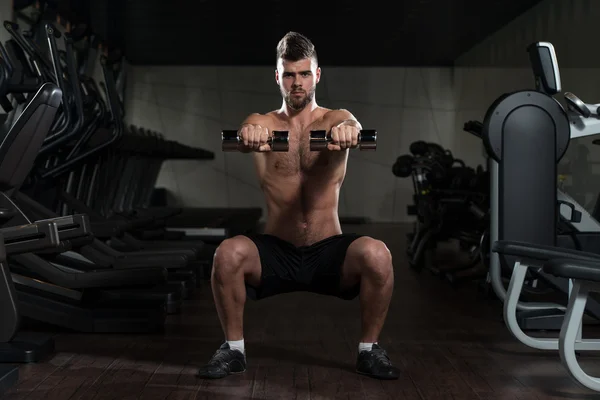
[(231, 141), (367, 140), (279, 141)]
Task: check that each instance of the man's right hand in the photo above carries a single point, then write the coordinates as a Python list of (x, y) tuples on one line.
[(255, 137)]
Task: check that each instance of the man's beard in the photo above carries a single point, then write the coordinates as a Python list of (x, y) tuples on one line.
[(296, 103)]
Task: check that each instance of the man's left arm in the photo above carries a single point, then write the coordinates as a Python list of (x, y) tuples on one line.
[(345, 130)]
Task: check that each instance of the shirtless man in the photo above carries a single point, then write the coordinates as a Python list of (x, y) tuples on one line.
[(303, 247)]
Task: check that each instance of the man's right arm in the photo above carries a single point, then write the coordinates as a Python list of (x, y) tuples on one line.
[(254, 132)]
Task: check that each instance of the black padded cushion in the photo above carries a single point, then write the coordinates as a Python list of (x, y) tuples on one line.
[(541, 252), (574, 269)]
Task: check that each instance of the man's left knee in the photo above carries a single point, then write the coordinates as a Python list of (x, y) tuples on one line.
[(374, 257)]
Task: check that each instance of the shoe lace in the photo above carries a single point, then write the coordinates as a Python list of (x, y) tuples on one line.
[(220, 356), (381, 356)]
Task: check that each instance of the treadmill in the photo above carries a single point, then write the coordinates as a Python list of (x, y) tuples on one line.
[(100, 254), (69, 128), (17, 346), (179, 261), (52, 293)]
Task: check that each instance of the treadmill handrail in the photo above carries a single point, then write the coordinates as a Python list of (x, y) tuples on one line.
[(28, 238), (51, 34), (13, 30), (76, 117), (118, 127)]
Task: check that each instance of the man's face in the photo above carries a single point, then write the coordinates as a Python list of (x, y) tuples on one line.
[(297, 81)]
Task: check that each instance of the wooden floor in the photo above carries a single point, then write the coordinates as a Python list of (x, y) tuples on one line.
[(448, 343)]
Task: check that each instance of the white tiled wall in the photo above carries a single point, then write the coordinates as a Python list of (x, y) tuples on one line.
[(193, 104)]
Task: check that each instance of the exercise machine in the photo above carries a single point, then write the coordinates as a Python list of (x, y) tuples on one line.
[(524, 205), (533, 126)]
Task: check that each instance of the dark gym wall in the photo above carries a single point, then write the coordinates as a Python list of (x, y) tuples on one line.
[(360, 33), (219, 33), (107, 20), (193, 33), (569, 25)]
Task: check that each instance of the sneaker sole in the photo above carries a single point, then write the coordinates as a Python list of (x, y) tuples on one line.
[(220, 376), (390, 378)]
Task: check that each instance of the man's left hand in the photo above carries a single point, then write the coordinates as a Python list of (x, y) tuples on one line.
[(343, 137)]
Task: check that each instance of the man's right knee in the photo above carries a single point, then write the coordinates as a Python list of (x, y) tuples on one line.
[(233, 256)]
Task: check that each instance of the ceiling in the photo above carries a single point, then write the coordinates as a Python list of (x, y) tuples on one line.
[(366, 33)]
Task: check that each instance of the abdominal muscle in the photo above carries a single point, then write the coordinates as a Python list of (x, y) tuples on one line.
[(301, 212)]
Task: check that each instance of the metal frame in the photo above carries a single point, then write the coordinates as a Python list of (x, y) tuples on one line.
[(570, 338), (570, 334), (510, 314)]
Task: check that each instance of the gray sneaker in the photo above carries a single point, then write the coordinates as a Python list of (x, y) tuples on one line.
[(376, 364), (224, 362)]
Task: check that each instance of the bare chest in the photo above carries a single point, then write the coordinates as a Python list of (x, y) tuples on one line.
[(299, 158)]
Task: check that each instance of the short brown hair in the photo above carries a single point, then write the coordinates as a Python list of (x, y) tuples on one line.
[(295, 46)]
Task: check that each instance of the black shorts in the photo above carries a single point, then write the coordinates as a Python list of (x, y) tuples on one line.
[(316, 268)]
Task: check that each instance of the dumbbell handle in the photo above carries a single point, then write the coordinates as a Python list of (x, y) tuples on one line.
[(367, 140), (231, 141)]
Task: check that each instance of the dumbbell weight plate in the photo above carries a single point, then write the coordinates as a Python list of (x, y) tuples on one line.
[(368, 139), (279, 140), (403, 167)]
